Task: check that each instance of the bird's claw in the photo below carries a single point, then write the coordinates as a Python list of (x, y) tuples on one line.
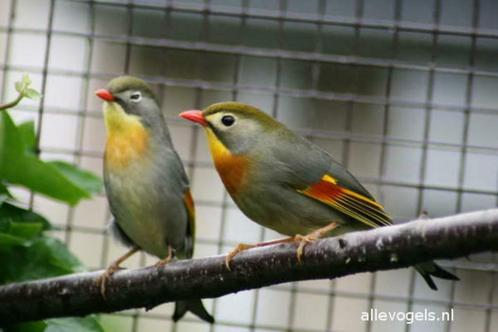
[(165, 260), (104, 278), (237, 250), (302, 241), (312, 237)]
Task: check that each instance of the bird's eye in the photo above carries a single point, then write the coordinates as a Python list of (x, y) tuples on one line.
[(228, 120), (136, 97)]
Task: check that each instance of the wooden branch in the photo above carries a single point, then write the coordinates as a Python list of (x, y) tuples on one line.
[(380, 249)]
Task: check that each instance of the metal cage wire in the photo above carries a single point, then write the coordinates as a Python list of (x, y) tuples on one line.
[(402, 92)]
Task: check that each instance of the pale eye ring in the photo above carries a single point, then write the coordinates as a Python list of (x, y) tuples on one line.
[(136, 97)]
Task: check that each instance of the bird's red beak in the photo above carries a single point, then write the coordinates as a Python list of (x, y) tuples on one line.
[(104, 94), (194, 116)]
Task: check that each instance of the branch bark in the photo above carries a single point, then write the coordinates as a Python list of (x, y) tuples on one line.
[(379, 249)]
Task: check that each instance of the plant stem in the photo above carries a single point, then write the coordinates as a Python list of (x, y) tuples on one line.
[(12, 103)]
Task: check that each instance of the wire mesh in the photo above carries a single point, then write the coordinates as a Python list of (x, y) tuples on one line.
[(402, 92)]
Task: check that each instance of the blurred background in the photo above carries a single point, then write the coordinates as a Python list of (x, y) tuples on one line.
[(403, 92)]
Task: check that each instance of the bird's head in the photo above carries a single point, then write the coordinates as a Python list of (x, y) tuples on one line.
[(128, 100), (235, 126)]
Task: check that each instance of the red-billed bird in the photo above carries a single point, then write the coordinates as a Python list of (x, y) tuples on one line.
[(146, 185), (284, 182)]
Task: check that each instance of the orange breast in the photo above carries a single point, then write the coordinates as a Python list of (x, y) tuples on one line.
[(124, 148), (232, 168)]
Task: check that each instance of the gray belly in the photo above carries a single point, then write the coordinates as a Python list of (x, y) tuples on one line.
[(152, 215)]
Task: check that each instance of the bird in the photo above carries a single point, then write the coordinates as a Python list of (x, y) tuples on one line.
[(284, 182), (146, 185)]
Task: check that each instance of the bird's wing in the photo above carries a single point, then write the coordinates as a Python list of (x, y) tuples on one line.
[(314, 173), (189, 206), (358, 206)]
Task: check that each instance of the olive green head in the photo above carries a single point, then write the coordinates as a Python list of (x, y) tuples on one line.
[(121, 84), (133, 94), (238, 126), (127, 96)]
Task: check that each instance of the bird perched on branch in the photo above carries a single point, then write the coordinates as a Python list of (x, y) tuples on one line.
[(284, 182), (146, 185)]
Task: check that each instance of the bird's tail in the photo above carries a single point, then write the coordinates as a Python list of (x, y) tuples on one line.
[(194, 306), (429, 269)]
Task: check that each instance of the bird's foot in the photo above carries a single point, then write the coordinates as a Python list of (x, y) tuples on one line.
[(303, 240), (113, 268), (166, 259), (104, 278), (237, 250)]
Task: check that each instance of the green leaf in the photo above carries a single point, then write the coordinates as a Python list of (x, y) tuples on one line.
[(21, 229), (27, 131), (4, 225), (61, 257), (14, 213), (4, 194), (41, 258), (84, 179), (73, 324), (46, 178), (31, 94), (23, 85), (27, 327), (8, 241), (26, 230), (19, 167), (26, 80), (14, 233), (3, 188), (19, 87), (11, 142)]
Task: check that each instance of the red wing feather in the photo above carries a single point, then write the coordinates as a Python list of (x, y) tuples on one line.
[(348, 202)]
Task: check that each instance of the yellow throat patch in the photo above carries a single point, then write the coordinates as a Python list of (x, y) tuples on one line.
[(127, 138)]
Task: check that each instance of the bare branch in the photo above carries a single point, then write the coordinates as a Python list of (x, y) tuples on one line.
[(380, 249)]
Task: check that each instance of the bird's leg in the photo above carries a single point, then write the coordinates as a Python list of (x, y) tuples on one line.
[(277, 241), (166, 259), (244, 246), (298, 238), (111, 269), (311, 237), (238, 249)]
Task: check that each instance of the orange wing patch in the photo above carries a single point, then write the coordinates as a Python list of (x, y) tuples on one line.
[(355, 205), (189, 204), (232, 168)]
